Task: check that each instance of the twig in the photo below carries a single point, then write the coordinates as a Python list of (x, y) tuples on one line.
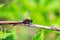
[(9, 22), (31, 25), (44, 27)]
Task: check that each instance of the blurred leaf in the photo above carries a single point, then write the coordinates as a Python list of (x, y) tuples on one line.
[(2, 5), (39, 36), (4, 35)]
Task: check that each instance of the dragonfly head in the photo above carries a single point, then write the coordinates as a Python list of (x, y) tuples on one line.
[(27, 21)]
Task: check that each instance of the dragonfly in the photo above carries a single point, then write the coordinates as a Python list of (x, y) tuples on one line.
[(25, 21)]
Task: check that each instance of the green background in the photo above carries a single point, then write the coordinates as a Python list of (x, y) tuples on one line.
[(42, 12)]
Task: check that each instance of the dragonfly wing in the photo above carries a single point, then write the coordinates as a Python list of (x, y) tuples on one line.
[(20, 16), (27, 15)]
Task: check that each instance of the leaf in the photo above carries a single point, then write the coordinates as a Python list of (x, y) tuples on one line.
[(39, 36), (4, 35)]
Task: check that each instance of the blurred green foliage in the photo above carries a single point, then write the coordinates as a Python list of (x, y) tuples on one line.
[(44, 12)]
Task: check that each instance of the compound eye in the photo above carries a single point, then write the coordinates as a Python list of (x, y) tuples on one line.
[(31, 20), (27, 21)]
